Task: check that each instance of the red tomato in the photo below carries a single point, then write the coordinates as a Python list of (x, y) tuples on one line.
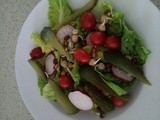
[(113, 42), (118, 102), (98, 38), (88, 21), (36, 53), (65, 81), (81, 55)]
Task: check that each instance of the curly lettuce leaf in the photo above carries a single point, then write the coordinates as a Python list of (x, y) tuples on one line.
[(48, 92), (46, 48), (115, 24), (132, 45), (75, 73), (58, 11), (41, 85)]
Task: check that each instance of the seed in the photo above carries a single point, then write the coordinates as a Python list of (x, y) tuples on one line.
[(64, 63), (92, 62), (104, 18), (74, 38), (101, 66), (102, 27), (75, 32)]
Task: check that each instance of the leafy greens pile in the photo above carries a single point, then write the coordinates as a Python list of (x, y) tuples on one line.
[(131, 44)]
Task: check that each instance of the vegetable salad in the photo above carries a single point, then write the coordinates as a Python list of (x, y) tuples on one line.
[(87, 59)]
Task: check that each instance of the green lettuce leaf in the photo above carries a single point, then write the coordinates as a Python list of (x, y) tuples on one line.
[(116, 88), (75, 73), (46, 48), (115, 24), (48, 92), (41, 84), (132, 45), (108, 77), (58, 11), (120, 91)]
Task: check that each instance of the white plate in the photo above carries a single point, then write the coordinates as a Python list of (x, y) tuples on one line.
[(145, 19)]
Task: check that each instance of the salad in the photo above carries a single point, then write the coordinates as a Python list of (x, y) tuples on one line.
[(87, 59)]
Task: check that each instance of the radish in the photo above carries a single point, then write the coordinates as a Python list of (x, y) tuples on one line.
[(80, 100), (64, 31), (121, 74), (49, 64)]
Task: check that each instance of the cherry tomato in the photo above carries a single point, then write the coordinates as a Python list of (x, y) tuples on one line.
[(113, 42), (88, 21), (118, 102), (81, 55), (97, 38), (36, 53), (65, 81)]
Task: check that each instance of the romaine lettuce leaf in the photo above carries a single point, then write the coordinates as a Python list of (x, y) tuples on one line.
[(46, 48), (58, 11), (48, 92), (41, 85), (132, 45), (115, 24)]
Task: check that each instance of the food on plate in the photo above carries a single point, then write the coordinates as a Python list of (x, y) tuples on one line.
[(87, 59)]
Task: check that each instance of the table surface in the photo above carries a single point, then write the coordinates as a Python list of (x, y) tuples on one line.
[(12, 16)]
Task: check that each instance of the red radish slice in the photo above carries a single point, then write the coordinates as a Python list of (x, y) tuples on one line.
[(121, 74), (80, 100), (63, 32), (49, 64)]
